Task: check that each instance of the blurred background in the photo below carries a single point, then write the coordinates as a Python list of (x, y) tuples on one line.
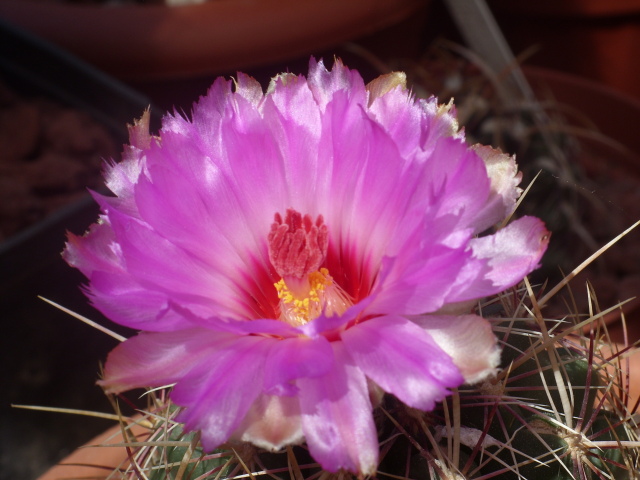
[(73, 73)]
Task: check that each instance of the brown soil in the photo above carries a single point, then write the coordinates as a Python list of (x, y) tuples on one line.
[(109, 2), (49, 155)]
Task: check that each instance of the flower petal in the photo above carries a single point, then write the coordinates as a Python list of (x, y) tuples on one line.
[(336, 417), (272, 422), (468, 339), (217, 375), (501, 260), (418, 281), (514, 251), (364, 209), (161, 265), (456, 181), (264, 326), (157, 359), (218, 394), (121, 299), (324, 83), (415, 124), (294, 358), (505, 178), (383, 84), (402, 359), (96, 250)]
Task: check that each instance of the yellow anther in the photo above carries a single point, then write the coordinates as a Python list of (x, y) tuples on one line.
[(310, 297)]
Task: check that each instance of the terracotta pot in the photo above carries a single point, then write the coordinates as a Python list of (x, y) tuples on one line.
[(583, 8), (613, 112), (142, 42), (630, 365), (598, 39), (91, 461)]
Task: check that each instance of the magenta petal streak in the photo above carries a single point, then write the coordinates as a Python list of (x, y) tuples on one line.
[(336, 417)]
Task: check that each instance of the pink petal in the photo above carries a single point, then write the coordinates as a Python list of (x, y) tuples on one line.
[(415, 125), (159, 264), (193, 227), (420, 276), (324, 83), (367, 201), (456, 181), (121, 177), (468, 339), (336, 417), (210, 214), (295, 358), (329, 326), (501, 260), (126, 302), (272, 423), (265, 326), (210, 110), (505, 178), (416, 283), (219, 392), (227, 151), (383, 84), (514, 251), (157, 359), (402, 359), (95, 251), (294, 119), (249, 88), (139, 136)]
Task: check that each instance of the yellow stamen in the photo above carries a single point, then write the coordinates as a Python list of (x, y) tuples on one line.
[(302, 300)]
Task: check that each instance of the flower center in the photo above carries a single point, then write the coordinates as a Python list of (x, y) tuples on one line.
[(297, 245), (297, 249)]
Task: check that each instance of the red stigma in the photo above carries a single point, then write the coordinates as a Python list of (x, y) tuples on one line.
[(297, 245)]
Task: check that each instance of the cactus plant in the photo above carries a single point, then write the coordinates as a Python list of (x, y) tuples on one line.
[(557, 410)]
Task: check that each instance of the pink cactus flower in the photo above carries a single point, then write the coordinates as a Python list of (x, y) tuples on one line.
[(289, 255)]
